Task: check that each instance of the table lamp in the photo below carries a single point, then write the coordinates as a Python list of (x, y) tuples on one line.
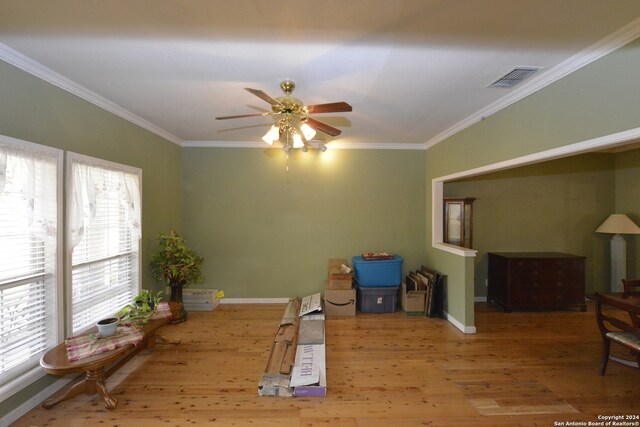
[(618, 224)]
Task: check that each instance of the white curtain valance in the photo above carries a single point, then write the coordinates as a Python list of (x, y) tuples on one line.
[(90, 182), (25, 177)]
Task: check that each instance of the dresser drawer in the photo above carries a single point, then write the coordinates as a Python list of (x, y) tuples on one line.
[(548, 299), (537, 284), (536, 280)]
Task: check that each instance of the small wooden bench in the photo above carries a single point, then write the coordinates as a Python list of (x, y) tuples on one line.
[(617, 330), (98, 367)]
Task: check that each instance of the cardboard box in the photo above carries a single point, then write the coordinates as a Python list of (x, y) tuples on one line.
[(339, 302), (309, 372), (338, 277), (413, 302)]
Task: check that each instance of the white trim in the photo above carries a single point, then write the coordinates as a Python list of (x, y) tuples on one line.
[(437, 184), (437, 212), (480, 299), (31, 145), (60, 248), (331, 145), (95, 161), (33, 401), (34, 68), (603, 47), (455, 322), (374, 146), (228, 144), (254, 300), (593, 144), (23, 380), (456, 250)]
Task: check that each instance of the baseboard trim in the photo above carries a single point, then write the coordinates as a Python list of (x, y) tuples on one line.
[(254, 300), (34, 401), (455, 322)]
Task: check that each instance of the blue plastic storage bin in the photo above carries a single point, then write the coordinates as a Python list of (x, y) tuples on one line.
[(386, 272)]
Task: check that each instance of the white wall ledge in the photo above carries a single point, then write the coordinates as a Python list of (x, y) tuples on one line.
[(456, 250)]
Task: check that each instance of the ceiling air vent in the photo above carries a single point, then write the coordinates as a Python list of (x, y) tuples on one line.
[(514, 76)]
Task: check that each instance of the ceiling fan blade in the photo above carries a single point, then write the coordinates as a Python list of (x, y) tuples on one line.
[(332, 107), (323, 127), (260, 94), (242, 116)]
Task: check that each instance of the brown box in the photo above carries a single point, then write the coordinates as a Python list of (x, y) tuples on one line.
[(339, 302), (413, 302), (337, 278)]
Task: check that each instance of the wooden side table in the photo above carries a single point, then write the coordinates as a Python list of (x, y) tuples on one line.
[(98, 367)]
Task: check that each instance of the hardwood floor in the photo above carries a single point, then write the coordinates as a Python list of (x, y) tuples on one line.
[(520, 369)]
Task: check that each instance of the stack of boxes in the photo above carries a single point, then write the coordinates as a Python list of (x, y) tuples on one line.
[(339, 295), (378, 282)]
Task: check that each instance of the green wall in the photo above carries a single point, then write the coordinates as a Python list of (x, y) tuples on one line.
[(268, 232), (39, 112), (553, 206), (599, 99), (628, 202)]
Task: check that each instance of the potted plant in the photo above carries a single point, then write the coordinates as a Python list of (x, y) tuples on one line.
[(141, 309), (177, 266)]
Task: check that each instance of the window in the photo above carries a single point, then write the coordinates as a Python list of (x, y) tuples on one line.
[(104, 238), (29, 238)]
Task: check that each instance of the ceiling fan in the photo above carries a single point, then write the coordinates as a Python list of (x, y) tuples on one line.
[(293, 126)]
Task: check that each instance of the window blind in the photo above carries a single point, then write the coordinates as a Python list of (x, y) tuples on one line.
[(105, 261), (28, 237)]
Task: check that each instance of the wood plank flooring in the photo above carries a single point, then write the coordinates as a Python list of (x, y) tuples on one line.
[(520, 369)]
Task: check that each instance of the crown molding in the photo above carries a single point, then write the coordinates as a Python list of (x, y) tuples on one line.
[(330, 145), (226, 144), (603, 47), (374, 146), (23, 62)]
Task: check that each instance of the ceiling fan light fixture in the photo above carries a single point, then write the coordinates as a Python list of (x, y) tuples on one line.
[(273, 134), (293, 126), (297, 140), (307, 131)]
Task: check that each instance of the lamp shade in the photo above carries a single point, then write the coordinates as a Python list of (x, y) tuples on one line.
[(297, 141), (307, 131), (618, 224), (272, 135)]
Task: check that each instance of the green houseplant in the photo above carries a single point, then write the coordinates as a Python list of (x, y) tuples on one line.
[(141, 309), (176, 265)]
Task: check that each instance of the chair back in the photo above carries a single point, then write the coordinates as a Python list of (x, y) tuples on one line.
[(630, 287)]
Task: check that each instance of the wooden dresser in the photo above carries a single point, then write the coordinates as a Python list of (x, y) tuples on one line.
[(536, 280)]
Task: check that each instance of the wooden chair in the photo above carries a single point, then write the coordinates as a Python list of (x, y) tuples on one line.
[(629, 286), (616, 330)]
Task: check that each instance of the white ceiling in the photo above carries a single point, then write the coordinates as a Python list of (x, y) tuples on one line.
[(414, 71)]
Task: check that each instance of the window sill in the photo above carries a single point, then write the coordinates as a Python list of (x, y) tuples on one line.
[(16, 384)]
